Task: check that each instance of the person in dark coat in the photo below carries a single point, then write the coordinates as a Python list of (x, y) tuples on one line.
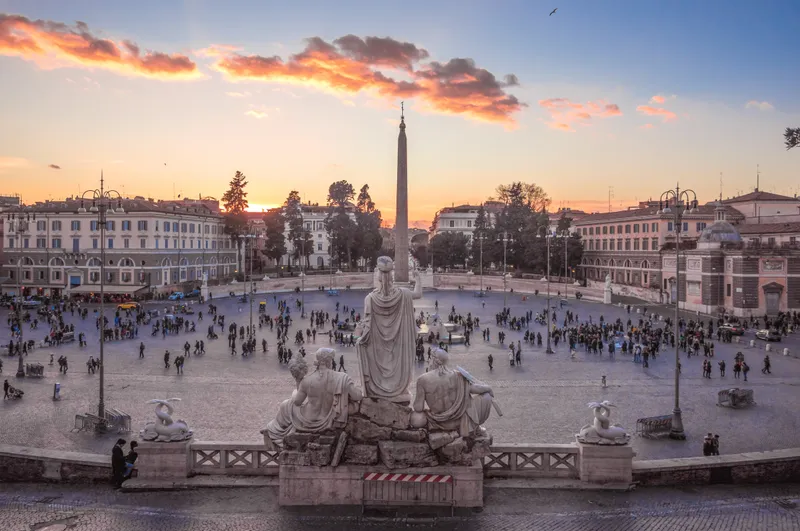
[(130, 459), (118, 463)]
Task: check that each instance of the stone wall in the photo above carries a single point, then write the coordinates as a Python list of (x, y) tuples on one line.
[(778, 466), (34, 465)]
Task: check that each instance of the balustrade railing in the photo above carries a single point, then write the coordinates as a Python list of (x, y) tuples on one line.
[(233, 459), (504, 461), (532, 460)]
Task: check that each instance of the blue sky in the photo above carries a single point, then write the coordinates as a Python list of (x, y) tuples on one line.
[(706, 60)]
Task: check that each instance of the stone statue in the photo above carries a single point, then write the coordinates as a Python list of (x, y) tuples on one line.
[(281, 426), (608, 281), (607, 290), (386, 347), (602, 431), (165, 429), (448, 394), (319, 403)]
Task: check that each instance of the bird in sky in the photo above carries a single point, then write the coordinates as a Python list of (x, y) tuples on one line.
[(552, 12)]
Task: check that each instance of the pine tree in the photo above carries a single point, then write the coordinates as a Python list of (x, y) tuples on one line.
[(275, 244), (235, 203), (341, 229), (792, 137), (300, 238)]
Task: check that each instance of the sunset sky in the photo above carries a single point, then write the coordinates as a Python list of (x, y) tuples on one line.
[(167, 96)]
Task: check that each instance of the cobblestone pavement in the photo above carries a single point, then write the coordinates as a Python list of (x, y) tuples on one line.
[(729, 508), (544, 399)]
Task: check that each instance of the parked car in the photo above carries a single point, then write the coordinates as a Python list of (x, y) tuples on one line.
[(768, 335), (734, 329), (194, 293), (128, 306), (31, 304), (178, 295)]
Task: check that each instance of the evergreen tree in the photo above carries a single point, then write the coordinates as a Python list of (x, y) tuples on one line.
[(368, 239), (792, 137), (299, 237), (275, 224), (341, 228), (235, 203)]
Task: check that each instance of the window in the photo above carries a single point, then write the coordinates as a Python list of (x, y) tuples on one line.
[(166, 243), (56, 243), (627, 229), (166, 227), (727, 290), (214, 244), (156, 242), (591, 231), (645, 244), (636, 244), (156, 225), (94, 276), (611, 229), (93, 225), (109, 277), (174, 226), (700, 226), (636, 228), (41, 275), (41, 225), (771, 241), (75, 225), (56, 274), (319, 246), (126, 224), (206, 229), (452, 223), (605, 229), (111, 225), (174, 243), (669, 226), (792, 240), (142, 243), (654, 227), (183, 244), (25, 243), (619, 244), (619, 229), (685, 226), (95, 243), (469, 223), (191, 228), (183, 227), (645, 226), (654, 244), (41, 243), (605, 245), (55, 225), (627, 244), (126, 243), (585, 232), (141, 225), (110, 243), (11, 243), (125, 277)]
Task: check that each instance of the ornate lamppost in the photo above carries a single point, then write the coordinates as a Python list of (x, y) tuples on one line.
[(21, 222), (103, 202), (547, 237), (506, 239), (675, 202), (481, 238)]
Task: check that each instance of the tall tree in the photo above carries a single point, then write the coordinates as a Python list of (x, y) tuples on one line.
[(275, 225), (792, 137), (448, 249), (482, 230), (564, 223), (368, 239), (341, 228), (299, 237), (522, 202), (235, 203)]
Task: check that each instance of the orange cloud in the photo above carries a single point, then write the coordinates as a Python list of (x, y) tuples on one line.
[(53, 44), (657, 111), (658, 99), (352, 64), (564, 113), (646, 126)]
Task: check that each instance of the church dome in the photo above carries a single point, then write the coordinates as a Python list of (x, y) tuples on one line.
[(719, 232)]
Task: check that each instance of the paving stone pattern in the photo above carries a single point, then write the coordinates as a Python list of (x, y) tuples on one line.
[(544, 400), (38, 507)]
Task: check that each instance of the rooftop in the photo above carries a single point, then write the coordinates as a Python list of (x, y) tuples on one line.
[(759, 196), (703, 211), (70, 205), (769, 228)]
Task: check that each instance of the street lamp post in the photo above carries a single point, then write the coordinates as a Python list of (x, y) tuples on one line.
[(680, 199), (547, 236), (303, 280), (102, 203), (249, 281), (481, 238), (566, 269), (505, 239), (20, 227)]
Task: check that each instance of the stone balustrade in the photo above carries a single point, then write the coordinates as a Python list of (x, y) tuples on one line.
[(232, 458), (532, 461), (26, 464)]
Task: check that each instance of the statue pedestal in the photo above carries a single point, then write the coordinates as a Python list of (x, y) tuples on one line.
[(607, 296), (605, 463), (345, 485), (163, 460)]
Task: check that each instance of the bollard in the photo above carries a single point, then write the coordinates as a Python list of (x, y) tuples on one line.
[(737, 339), (768, 347), (785, 351), (638, 310), (752, 343), (57, 391)]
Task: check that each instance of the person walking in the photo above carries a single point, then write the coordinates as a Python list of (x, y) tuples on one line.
[(141, 350), (745, 370), (6, 385), (722, 369), (341, 364), (490, 359), (767, 365), (166, 359)]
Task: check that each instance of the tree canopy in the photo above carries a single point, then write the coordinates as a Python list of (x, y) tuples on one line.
[(792, 137), (235, 203)]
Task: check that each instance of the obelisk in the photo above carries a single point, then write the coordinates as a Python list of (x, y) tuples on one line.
[(401, 219)]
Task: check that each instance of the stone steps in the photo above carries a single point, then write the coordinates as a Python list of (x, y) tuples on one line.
[(199, 482)]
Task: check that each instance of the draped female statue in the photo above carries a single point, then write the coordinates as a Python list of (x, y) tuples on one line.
[(387, 344)]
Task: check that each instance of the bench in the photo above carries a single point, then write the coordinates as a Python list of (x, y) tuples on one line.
[(651, 427)]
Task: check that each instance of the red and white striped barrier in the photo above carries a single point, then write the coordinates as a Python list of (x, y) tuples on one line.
[(408, 478)]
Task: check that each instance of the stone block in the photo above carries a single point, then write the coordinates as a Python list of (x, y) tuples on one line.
[(341, 444), (481, 447), (400, 454), (416, 436), (361, 454), (319, 454), (385, 413), (289, 457), (163, 460), (437, 439), (298, 440), (453, 451), (606, 463), (362, 430), (327, 439)]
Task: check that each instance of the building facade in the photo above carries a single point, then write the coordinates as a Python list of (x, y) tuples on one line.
[(53, 249), (461, 219)]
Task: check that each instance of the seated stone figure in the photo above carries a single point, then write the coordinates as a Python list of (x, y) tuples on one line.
[(449, 397), (319, 403)]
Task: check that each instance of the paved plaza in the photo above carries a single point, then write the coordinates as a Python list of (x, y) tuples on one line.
[(230, 398), (728, 508)]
